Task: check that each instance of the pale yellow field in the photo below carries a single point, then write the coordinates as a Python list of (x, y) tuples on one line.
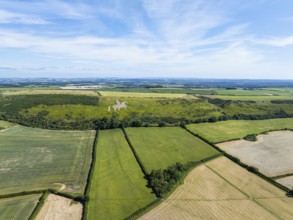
[(5, 124), (143, 95), (221, 189), (54, 92), (57, 207)]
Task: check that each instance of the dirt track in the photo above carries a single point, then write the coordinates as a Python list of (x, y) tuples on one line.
[(60, 208)]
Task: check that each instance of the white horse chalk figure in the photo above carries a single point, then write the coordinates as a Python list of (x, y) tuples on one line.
[(118, 105)]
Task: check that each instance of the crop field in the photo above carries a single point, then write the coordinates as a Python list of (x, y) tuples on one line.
[(18, 208), (141, 95), (220, 189), (118, 187), (286, 181), (235, 129), (49, 92), (158, 148), (57, 207), (33, 159), (249, 98), (272, 153)]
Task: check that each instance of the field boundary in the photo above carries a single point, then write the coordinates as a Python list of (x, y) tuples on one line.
[(264, 132), (135, 153), (238, 161), (140, 212), (39, 206), (89, 178), (282, 176)]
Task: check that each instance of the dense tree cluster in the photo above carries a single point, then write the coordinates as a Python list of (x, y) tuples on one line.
[(250, 137), (163, 181)]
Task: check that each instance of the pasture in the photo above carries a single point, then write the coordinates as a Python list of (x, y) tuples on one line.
[(272, 153), (19, 208), (220, 189), (158, 148), (33, 159), (235, 129), (57, 207), (118, 187)]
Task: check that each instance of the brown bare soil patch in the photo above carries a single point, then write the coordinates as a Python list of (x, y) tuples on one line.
[(60, 208)]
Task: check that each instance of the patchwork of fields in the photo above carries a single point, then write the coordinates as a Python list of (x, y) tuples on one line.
[(19, 208), (160, 147), (229, 130), (33, 159), (117, 187), (221, 189)]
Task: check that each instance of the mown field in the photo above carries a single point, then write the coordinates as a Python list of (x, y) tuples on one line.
[(235, 129), (18, 208), (141, 95), (220, 189), (118, 187), (158, 148), (33, 159)]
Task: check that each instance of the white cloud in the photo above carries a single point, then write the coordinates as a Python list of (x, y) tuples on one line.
[(276, 41), (17, 18)]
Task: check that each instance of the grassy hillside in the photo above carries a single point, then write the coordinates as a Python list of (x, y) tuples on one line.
[(19, 208), (34, 159), (228, 130), (117, 188), (158, 148)]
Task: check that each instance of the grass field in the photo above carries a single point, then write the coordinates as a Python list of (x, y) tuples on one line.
[(117, 188), (18, 208), (136, 107), (158, 148), (272, 153), (221, 189), (34, 159), (233, 129)]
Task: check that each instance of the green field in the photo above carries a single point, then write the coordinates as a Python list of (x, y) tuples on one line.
[(18, 208), (228, 130), (34, 159), (117, 188), (5, 124), (141, 94), (158, 148), (249, 97), (136, 107)]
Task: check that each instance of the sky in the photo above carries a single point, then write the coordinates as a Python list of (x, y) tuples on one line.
[(147, 38)]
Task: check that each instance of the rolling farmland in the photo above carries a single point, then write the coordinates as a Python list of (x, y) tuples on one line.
[(19, 208), (117, 187), (33, 159), (141, 95), (160, 147), (235, 129), (272, 153), (221, 189)]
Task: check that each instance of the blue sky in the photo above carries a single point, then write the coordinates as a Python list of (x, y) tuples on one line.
[(147, 38)]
